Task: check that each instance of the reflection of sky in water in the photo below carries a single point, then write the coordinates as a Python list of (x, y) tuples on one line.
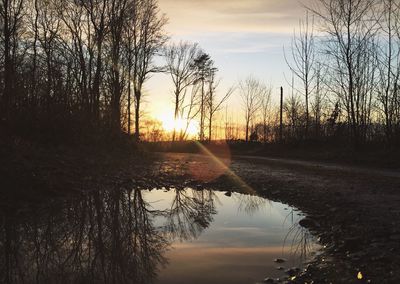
[(246, 234), (126, 236)]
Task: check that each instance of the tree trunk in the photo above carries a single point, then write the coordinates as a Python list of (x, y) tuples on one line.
[(137, 114)]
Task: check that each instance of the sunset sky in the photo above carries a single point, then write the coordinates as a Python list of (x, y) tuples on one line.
[(243, 37)]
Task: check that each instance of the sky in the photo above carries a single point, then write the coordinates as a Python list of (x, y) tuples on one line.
[(243, 37)]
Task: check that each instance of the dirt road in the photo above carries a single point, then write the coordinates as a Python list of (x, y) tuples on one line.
[(325, 166)]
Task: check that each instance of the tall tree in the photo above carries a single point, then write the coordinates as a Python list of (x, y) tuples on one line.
[(11, 12), (180, 64), (118, 13), (302, 61), (148, 38), (251, 91), (265, 106), (204, 68), (98, 27), (389, 66), (214, 104), (351, 30)]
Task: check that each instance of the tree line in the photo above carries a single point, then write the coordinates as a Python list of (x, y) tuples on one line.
[(76, 65), (79, 66), (345, 61)]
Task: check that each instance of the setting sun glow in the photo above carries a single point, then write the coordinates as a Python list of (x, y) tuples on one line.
[(170, 124)]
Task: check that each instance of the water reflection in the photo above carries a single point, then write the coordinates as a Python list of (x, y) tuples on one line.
[(190, 212), (250, 204), (122, 236), (103, 237), (300, 240)]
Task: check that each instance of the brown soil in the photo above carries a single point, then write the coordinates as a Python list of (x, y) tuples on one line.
[(353, 211)]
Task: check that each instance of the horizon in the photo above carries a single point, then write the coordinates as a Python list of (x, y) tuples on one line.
[(244, 39), (246, 141)]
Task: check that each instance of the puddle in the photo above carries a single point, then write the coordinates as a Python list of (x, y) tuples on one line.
[(151, 236), (227, 239)]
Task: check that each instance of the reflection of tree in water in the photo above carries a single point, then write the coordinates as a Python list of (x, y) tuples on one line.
[(301, 240), (105, 237), (191, 211), (249, 203)]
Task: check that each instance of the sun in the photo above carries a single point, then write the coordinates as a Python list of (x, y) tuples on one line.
[(169, 124)]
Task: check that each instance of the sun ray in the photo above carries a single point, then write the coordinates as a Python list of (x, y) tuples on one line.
[(235, 178)]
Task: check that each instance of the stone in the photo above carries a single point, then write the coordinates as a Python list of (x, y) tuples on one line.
[(279, 260), (308, 223), (291, 272)]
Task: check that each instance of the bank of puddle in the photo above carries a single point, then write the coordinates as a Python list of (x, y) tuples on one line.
[(153, 236)]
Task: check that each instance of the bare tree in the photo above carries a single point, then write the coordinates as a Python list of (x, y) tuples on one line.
[(302, 61), (148, 38), (351, 32), (129, 62), (213, 104), (86, 25), (204, 68), (11, 12), (48, 34), (293, 109), (319, 97), (265, 111), (118, 12), (190, 110), (251, 92), (389, 65), (98, 27), (181, 67)]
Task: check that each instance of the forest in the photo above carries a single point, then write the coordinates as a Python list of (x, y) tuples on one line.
[(250, 181), (76, 69)]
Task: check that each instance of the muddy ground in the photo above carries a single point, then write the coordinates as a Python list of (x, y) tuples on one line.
[(354, 211)]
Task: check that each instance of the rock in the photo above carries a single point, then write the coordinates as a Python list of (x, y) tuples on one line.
[(291, 272), (269, 280), (228, 193), (279, 260), (309, 267), (308, 223), (280, 268)]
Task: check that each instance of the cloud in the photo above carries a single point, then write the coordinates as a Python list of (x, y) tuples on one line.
[(188, 17), (239, 42)]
